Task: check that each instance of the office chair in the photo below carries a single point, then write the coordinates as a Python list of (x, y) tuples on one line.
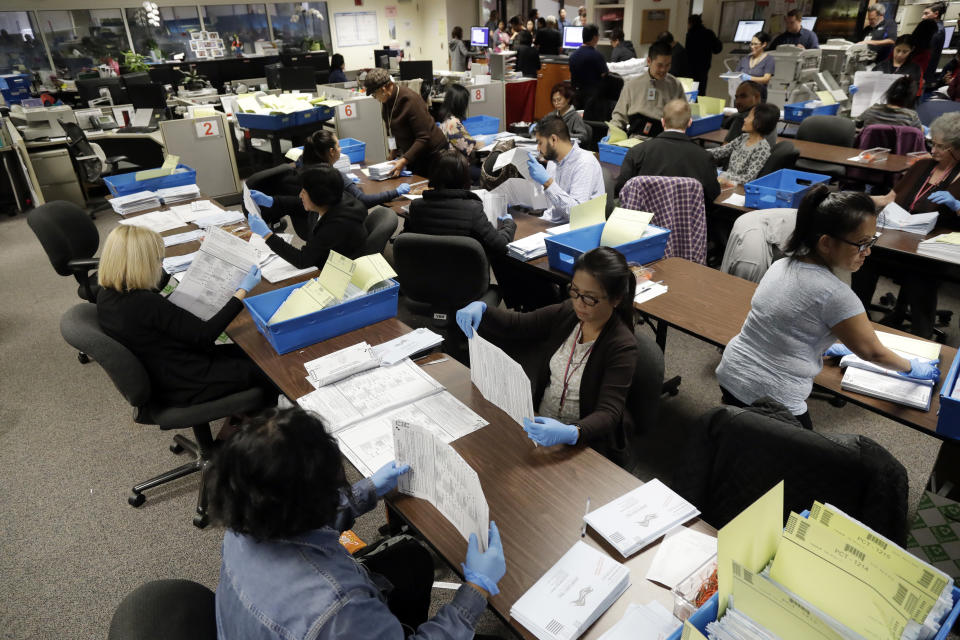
[(833, 130), (90, 163), (756, 242), (932, 109), (80, 327), (271, 182), (665, 197), (735, 455), (439, 275), (380, 225), (169, 609), (783, 156), (70, 240)]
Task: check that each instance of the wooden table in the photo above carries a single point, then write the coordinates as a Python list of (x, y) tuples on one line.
[(828, 153), (712, 306)]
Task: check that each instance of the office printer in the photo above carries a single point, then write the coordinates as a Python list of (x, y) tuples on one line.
[(795, 75), (41, 122), (842, 59)]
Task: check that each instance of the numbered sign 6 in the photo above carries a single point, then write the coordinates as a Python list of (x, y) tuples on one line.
[(207, 128), (347, 111), (478, 94)]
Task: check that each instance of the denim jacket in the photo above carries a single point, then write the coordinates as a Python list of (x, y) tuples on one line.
[(309, 587)]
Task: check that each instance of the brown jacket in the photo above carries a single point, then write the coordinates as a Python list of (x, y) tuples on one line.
[(409, 121)]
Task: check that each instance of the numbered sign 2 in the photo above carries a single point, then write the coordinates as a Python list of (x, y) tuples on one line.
[(347, 111), (478, 94), (207, 128)]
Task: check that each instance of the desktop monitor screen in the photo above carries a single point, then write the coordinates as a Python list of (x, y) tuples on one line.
[(479, 36), (948, 36), (381, 58), (97, 87), (572, 37), (147, 96), (808, 23), (411, 70), (746, 29), (298, 79), (319, 60)]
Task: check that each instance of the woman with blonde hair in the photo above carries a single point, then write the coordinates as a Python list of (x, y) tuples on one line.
[(175, 347)]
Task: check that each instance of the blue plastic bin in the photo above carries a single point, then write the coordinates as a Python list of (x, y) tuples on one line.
[(703, 124), (14, 96), (310, 116), (797, 111), (781, 189), (948, 420), (355, 149), (479, 125), (126, 183), (612, 153), (266, 122), (563, 249), (14, 81), (297, 333), (692, 95)]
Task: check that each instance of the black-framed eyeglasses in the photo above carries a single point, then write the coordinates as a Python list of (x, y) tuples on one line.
[(590, 301), (861, 246)]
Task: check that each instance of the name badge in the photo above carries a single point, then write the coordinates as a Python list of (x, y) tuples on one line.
[(651, 94), (391, 143)]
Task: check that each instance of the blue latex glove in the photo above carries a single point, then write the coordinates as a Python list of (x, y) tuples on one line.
[(505, 216), (385, 478), (261, 198), (837, 350), (468, 318), (944, 197), (922, 370), (547, 432), (403, 188), (537, 171), (853, 89), (406, 174), (533, 127), (485, 569), (250, 280), (745, 76), (258, 226)]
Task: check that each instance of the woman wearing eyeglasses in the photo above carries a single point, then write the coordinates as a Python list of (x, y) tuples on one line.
[(801, 307), (931, 184), (585, 366)]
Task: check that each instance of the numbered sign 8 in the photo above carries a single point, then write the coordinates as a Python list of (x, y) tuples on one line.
[(347, 111), (207, 128), (478, 94)]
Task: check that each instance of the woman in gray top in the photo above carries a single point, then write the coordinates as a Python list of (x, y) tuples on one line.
[(459, 53), (562, 98), (801, 307), (898, 110), (748, 153)]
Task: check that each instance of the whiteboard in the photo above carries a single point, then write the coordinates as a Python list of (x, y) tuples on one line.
[(356, 28)]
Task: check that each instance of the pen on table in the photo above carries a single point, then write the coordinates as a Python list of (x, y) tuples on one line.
[(583, 529), (417, 184), (649, 285)]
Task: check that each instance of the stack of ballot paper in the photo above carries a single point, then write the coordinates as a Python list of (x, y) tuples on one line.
[(651, 621), (193, 210), (893, 216), (533, 246), (875, 381), (380, 171), (273, 267), (639, 517), (945, 246), (175, 195), (135, 202), (572, 594), (618, 137), (182, 238), (159, 221), (341, 364), (218, 218), (417, 341), (176, 264)]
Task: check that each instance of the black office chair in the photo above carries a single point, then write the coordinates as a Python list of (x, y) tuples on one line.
[(80, 327), (70, 239), (783, 156), (90, 163), (168, 609), (271, 182), (439, 275), (380, 225), (932, 109), (833, 130)]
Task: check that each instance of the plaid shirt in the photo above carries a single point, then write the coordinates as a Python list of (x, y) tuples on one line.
[(677, 204)]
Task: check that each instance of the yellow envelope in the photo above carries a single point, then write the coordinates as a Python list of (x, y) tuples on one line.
[(624, 225), (710, 106), (171, 162), (336, 274), (690, 632), (371, 270), (615, 134), (696, 110), (589, 213), (687, 83), (826, 97), (629, 142)]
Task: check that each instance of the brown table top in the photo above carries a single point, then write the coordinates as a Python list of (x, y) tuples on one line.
[(713, 305), (828, 153)]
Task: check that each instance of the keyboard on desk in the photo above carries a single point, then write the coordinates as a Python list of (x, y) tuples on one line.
[(135, 130)]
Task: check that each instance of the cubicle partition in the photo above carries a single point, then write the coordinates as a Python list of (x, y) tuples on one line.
[(359, 118), (488, 100), (205, 144)]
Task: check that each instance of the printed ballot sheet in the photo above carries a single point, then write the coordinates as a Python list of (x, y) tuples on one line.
[(439, 475), (500, 379), (871, 87), (215, 273)]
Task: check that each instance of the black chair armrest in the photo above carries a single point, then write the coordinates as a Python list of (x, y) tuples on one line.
[(116, 159), (83, 264)]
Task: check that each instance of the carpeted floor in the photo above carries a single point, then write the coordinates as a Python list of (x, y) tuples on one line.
[(71, 547)]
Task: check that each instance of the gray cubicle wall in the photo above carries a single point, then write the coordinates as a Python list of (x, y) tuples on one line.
[(206, 145), (491, 101), (359, 118)]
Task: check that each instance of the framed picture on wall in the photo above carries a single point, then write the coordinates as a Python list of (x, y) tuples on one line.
[(201, 53), (216, 53), (194, 45), (213, 35), (196, 35)]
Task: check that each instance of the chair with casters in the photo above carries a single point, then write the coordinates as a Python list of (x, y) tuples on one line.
[(932, 109), (432, 295), (90, 163), (80, 327), (271, 182), (380, 224), (783, 156), (643, 399), (70, 239), (169, 609), (833, 130)]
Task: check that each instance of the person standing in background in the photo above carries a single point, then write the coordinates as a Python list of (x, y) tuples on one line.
[(563, 20), (794, 33), (702, 45), (622, 49), (581, 19), (494, 21), (879, 33), (528, 60), (928, 38), (587, 66), (679, 65), (548, 39), (458, 53)]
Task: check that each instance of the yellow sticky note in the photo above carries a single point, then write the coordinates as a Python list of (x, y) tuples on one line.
[(371, 270), (624, 225), (709, 106), (589, 213), (336, 274), (686, 83), (615, 134), (690, 632), (750, 540), (826, 97)]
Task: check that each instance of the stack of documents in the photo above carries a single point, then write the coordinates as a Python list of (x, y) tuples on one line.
[(273, 267), (176, 264), (135, 202), (417, 341), (893, 216), (618, 137), (183, 238), (589, 213), (343, 163), (945, 246), (218, 218), (193, 210), (175, 195), (651, 621), (529, 248), (639, 517), (341, 364), (572, 594), (380, 171), (159, 221), (875, 381), (169, 166)]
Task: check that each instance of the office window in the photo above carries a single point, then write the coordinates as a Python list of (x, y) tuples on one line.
[(20, 46), (81, 39), (301, 25), (171, 37), (248, 22)]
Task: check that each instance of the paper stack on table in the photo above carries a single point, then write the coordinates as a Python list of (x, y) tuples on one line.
[(651, 621), (417, 341), (639, 517), (135, 202), (273, 267), (159, 221), (174, 195), (176, 264), (380, 171), (341, 364), (572, 594), (875, 381), (218, 218), (183, 238), (945, 246), (893, 216), (529, 248)]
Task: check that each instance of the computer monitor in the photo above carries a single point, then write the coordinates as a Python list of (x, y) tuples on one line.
[(808, 23), (413, 69), (165, 74), (479, 37), (382, 58), (139, 77), (948, 36), (147, 96), (572, 37), (96, 88), (298, 79), (746, 29)]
